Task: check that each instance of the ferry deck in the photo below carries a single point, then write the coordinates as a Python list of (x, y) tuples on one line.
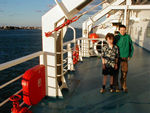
[(83, 95)]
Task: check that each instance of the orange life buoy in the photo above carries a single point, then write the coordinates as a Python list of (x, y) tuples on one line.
[(93, 36), (74, 57), (76, 54)]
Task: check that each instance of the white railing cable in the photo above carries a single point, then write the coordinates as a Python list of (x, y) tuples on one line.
[(15, 79), (5, 101), (19, 60)]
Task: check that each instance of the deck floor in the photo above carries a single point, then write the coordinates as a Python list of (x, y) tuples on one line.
[(84, 85)]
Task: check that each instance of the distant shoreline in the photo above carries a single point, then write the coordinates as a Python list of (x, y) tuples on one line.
[(15, 28)]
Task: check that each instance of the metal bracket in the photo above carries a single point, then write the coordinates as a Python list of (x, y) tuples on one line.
[(62, 7)]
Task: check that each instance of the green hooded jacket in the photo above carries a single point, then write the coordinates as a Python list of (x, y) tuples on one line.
[(125, 45)]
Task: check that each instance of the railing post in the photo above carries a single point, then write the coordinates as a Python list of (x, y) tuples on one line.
[(43, 61), (85, 48), (80, 52), (70, 61)]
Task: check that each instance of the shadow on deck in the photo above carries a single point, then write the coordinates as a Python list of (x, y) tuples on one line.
[(84, 85)]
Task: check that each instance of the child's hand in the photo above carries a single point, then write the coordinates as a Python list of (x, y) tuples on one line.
[(104, 66), (128, 58), (116, 66)]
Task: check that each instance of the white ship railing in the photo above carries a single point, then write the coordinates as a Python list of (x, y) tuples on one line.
[(14, 63), (39, 54), (19, 60)]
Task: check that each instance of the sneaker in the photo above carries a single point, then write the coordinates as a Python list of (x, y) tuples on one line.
[(102, 90), (111, 90), (117, 90)]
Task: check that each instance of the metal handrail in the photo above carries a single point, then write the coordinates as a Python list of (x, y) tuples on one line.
[(9, 82), (5, 101), (19, 60), (65, 44), (13, 63), (82, 38), (27, 58), (102, 38), (74, 32)]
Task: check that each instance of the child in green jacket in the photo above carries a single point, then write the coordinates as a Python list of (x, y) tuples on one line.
[(125, 46)]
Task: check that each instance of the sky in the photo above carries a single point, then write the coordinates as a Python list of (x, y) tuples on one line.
[(29, 12)]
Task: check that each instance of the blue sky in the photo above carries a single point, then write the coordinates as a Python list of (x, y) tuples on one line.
[(29, 12)]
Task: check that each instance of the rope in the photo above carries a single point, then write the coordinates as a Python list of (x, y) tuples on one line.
[(91, 9), (67, 22)]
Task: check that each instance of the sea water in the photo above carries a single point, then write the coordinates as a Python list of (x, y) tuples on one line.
[(16, 44)]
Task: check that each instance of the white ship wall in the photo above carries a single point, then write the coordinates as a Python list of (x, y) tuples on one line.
[(138, 28)]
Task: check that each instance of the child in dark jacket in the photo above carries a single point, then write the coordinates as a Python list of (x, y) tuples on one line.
[(109, 61)]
